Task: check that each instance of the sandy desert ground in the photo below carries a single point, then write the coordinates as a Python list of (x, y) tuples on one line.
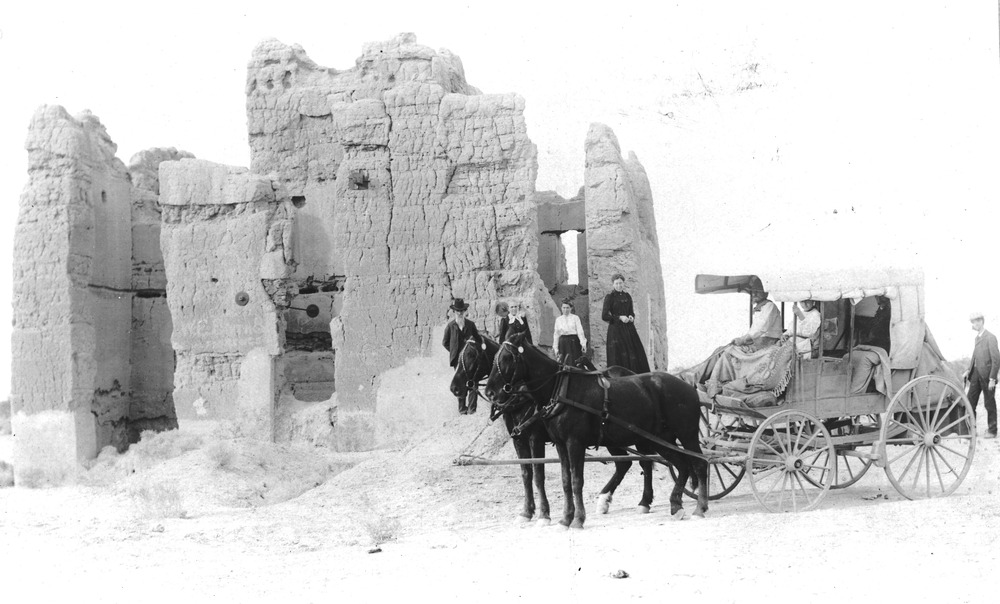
[(186, 517)]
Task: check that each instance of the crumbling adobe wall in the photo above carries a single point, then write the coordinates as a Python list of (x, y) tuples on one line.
[(72, 297), (415, 189), (226, 241), (621, 238)]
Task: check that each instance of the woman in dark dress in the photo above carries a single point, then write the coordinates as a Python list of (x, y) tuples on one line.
[(624, 347)]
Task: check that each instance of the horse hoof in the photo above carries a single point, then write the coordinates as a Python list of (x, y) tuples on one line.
[(698, 515), (522, 519), (577, 524), (603, 503), (643, 509), (678, 514), (543, 522)]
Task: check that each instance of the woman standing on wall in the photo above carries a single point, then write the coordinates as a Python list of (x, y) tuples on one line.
[(624, 347), (569, 342), (515, 323)]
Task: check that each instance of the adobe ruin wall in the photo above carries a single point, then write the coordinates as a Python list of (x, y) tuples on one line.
[(304, 298)]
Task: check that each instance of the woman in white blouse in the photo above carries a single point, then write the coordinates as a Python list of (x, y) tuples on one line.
[(568, 340), (807, 327)]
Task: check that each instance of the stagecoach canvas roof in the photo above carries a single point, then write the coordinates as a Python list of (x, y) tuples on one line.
[(822, 284)]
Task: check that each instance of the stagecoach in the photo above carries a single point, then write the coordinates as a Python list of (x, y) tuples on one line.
[(840, 409)]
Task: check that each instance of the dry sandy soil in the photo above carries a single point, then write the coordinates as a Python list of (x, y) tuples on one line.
[(185, 517)]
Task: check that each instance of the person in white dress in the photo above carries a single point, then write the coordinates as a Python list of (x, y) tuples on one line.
[(568, 340), (807, 327)]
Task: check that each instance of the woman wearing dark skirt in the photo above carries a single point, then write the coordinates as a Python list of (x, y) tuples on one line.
[(568, 337), (623, 344)]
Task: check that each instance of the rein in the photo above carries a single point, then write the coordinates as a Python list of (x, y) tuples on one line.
[(559, 399)]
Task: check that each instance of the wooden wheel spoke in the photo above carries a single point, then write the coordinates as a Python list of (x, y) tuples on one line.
[(944, 416), (920, 463), (950, 450), (725, 467), (804, 489), (952, 424), (915, 451), (809, 442), (944, 461), (894, 459)]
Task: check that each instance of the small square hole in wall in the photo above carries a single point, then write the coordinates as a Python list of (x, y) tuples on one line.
[(298, 200), (357, 180)]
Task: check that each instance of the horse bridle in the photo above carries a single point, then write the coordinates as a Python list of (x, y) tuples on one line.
[(470, 383)]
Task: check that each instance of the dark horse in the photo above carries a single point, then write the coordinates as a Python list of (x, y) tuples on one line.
[(529, 435), (657, 403)]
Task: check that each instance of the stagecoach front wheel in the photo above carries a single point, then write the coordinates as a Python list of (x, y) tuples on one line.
[(928, 438), (716, 432), (786, 448)]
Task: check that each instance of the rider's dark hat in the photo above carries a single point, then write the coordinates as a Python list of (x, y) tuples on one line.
[(459, 304)]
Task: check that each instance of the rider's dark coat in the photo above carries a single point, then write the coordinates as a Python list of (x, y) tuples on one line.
[(454, 338)]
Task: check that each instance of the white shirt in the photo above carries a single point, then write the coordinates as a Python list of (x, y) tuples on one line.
[(568, 326), (805, 329), (766, 321)]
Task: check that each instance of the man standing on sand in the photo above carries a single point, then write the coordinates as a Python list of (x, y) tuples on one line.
[(456, 333), (982, 372)]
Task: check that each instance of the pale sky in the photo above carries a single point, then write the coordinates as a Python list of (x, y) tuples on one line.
[(854, 133)]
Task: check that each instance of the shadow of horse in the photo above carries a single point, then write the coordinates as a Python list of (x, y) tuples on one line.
[(657, 403), (521, 416)]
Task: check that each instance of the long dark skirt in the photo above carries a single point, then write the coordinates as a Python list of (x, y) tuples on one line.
[(569, 349), (625, 348)]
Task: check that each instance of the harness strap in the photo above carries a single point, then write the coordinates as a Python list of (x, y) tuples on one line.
[(518, 429), (632, 428)]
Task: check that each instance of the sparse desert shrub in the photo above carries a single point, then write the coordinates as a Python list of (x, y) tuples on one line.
[(381, 528), (221, 454), (156, 500)]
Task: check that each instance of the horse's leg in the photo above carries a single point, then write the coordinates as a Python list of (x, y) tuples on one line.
[(523, 449), (683, 468), (575, 451), (568, 509), (699, 474), (608, 492), (537, 443), (647, 486)]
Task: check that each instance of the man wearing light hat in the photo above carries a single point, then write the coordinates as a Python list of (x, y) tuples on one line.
[(982, 372)]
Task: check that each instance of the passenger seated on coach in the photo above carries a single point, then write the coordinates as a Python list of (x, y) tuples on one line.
[(878, 334), (806, 332)]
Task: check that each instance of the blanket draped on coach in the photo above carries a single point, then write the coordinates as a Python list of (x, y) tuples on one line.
[(742, 371)]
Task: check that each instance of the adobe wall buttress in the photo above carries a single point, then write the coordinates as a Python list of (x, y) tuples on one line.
[(621, 238), (226, 251), (72, 298)]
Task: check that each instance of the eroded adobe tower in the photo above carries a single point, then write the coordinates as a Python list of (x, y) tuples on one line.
[(304, 298)]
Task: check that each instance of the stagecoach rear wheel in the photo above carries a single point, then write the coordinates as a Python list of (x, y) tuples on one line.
[(928, 438), (715, 430), (849, 466), (783, 449)]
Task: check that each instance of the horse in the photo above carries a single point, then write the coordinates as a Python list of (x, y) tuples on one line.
[(657, 403), (529, 436)]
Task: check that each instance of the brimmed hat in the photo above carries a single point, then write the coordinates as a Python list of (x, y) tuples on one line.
[(975, 315), (458, 304)]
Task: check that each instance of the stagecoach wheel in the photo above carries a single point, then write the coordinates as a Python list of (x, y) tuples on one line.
[(786, 446), (722, 477), (849, 467), (928, 438)]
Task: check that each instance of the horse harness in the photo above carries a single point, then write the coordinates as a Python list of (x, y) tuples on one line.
[(559, 400)]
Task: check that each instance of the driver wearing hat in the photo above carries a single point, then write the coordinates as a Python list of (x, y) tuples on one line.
[(767, 326), (456, 333)]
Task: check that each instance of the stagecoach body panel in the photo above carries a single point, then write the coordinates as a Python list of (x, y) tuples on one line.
[(921, 429)]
